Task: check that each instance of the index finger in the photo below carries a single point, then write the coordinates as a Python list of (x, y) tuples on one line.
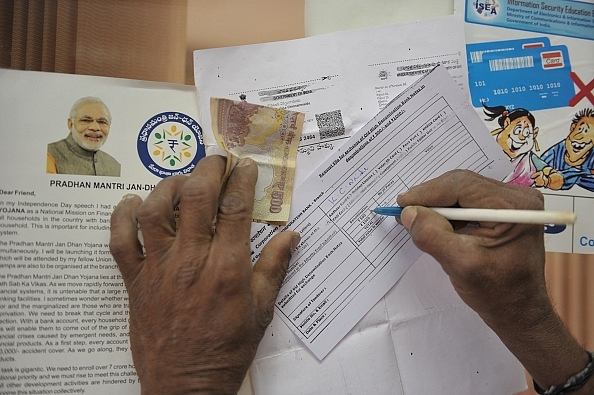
[(237, 204), (156, 214), (123, 243), (200, 200), (435, 235), (465, 188)]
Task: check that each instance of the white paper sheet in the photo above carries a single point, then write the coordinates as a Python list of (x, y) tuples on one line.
[(269, 74), (386, 73), (340, 80), (348, 257), (283, 364), (419, 339)]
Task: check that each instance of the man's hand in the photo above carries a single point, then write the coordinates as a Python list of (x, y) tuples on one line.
[(492, 265), (198, 309), (497, 268)]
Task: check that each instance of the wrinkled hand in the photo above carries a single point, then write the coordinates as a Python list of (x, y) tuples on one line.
[(496, 268), (492, 265), (198, 309)]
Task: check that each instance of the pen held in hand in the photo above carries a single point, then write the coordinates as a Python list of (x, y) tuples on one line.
[(493, 215)]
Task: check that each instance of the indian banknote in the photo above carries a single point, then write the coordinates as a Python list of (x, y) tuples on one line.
[(270, 136)]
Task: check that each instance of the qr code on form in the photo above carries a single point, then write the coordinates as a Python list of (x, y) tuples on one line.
[(330, 124)]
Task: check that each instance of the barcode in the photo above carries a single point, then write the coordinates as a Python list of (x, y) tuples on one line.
[(477, 56), (330, 124), (522, 62)]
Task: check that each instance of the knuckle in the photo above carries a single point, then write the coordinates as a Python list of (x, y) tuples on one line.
[(461, 177), (118, 247), (537, 198), (149, 213), (228, 282), (234, 204), (523, 197), (197, 192), (460, 174)]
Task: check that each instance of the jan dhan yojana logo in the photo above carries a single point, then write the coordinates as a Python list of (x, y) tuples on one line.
[(170, 143), (486, 9)]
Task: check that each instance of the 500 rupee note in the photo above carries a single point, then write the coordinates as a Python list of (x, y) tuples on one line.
[(270, 136)]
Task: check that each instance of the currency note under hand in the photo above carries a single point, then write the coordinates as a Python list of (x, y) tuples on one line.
[(270, 136)]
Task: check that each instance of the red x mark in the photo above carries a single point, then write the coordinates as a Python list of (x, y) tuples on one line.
[(585, 90)]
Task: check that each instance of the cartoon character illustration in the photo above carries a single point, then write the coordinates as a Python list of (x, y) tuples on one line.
[(517, 137), (573, 157)]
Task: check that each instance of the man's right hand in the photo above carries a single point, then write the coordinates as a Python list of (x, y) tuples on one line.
[(496, 268)]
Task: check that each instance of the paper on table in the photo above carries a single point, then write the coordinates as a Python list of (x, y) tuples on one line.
[(349, 258)]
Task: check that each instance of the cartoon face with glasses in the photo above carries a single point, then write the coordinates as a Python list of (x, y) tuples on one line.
[(517, 138)]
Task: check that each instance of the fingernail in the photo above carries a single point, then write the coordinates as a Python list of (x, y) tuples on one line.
[(245, 162), (127, 196), (295, 241), (399, 196), (409, 213)]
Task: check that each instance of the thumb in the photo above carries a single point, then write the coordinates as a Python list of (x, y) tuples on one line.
[(433, 234), (269, 272)]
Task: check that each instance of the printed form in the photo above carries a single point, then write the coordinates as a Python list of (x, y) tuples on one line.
[(349, 257), (339, 80)]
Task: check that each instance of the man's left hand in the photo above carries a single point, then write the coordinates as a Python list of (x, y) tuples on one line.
[(198, 309)]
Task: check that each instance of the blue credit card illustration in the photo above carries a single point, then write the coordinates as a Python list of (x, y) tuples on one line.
[(474, 52), (532, 78)]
